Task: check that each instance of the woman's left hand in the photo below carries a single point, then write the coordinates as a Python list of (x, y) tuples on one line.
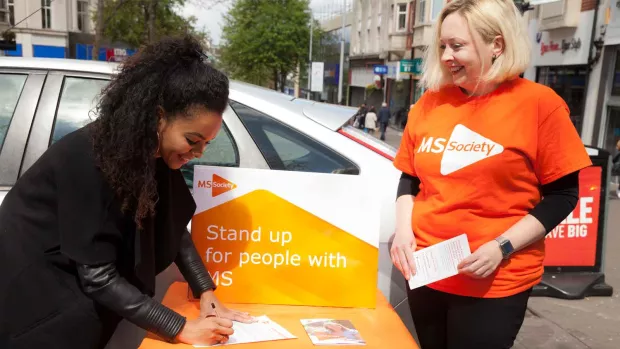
[(222, 311), (483, 261)]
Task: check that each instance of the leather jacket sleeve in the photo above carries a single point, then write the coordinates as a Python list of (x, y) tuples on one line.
[(103, 284), (191, 266)]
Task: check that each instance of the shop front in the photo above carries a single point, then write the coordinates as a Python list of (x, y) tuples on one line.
[(607, 123), (560, 60), (363, 88)]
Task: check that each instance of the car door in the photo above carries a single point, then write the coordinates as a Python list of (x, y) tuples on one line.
[(20, 93), (68, 102)]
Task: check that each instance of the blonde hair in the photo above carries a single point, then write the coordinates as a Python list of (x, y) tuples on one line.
[(488, 18)]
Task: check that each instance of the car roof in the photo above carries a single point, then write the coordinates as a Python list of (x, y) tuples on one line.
[(329, 115)]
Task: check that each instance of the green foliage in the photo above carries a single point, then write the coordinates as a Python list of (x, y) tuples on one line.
[(125, 21), (264, 41)]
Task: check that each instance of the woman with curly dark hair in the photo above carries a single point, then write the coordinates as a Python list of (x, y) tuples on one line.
[(86, 229)]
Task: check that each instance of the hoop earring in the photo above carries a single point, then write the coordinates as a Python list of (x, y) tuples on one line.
[(158, 141)]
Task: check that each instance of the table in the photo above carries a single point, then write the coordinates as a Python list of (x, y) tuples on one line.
[(380, 327)]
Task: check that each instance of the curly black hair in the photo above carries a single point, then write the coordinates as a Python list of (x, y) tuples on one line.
[(171, 75)]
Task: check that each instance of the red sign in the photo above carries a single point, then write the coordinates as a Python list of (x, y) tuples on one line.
[(573, 242), (552, 46)]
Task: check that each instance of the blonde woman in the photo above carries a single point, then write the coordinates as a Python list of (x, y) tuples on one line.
[(481, 149)]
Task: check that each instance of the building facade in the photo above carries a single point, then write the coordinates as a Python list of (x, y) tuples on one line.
[(563, 35), (55, 29), (328, 52), (381, 35), (604, 131)]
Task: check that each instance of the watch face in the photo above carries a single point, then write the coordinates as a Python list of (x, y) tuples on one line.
[(507, 247)]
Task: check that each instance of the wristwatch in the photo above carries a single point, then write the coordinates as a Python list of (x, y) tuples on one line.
[(506, 246)]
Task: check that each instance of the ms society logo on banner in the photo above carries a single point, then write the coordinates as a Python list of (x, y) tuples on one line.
[(284, 237), (217, 184)]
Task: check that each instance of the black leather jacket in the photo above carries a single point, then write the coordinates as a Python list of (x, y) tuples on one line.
[(103, 284)]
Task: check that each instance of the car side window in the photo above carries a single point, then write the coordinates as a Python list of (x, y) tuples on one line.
[(11, 86), (285, 148), (222, 151), (78, 99)]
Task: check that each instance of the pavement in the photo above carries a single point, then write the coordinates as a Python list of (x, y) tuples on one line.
[(590, 323)]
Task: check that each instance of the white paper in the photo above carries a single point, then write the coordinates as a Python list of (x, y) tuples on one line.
[(439, 261), (263, 329)]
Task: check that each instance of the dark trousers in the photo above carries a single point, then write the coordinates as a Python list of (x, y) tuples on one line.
[(383, 127), (447, 321)]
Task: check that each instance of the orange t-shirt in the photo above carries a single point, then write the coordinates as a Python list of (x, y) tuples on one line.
[(481, 162)]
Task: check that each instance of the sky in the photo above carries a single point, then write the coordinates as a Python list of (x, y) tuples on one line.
[(210, 13)]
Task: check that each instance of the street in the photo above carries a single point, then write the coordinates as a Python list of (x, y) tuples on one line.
[(590, 323)]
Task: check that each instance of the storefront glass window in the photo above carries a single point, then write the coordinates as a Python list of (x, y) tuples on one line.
[(568, 82), (613, 130), (615, 88)]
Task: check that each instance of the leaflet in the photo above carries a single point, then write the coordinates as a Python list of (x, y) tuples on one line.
[(332, 332), (439, 261)]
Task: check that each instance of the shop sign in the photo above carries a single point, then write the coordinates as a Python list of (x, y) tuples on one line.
[(411, 66), (563, 46), (380, 69)]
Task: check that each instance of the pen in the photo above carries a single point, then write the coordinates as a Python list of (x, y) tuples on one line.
[(215, 310)]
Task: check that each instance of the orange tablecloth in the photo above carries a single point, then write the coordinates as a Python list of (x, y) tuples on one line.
[(380, 327)]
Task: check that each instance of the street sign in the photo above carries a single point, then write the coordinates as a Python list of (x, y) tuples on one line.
[(317, 77), (380, 69), (411, 66)]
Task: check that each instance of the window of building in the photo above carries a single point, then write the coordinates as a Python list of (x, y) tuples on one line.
[(615, 87), (11, 4), (421, 11), (4, 12), (436, 9), (401, 17), (569, 83), (82, 15), (612, 136), (7, 12), (46, 14)]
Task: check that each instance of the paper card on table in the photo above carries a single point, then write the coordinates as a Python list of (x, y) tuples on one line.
[(332, 332), (264, 329), (439, 261)]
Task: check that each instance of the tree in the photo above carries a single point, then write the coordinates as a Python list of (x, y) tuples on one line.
[(99, 23), (264, 41), (138, 22)]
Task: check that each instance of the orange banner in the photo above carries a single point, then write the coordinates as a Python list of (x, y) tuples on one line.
[(261, 248)]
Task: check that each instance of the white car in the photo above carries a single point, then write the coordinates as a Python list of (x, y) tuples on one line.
[(41, 100)]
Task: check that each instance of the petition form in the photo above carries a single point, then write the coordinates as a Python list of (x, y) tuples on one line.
[(264, 329), (439, 261)]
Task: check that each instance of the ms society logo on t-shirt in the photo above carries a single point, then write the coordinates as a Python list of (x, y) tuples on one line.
[(465, 147)]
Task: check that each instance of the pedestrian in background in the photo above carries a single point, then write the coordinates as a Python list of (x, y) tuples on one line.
[(384, 119), (358, 117), (487, 154), (370, 125)]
